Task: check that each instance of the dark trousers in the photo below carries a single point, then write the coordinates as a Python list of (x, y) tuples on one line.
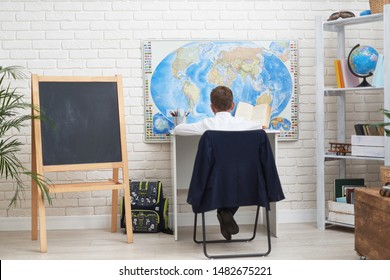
[(233, 210)]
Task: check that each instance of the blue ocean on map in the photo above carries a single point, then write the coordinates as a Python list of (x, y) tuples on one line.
[(183, 80)]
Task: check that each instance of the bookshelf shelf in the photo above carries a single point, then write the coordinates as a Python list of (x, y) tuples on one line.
[(329, 157), (336, 25), (337, 91), (339, 224), (338, 28)]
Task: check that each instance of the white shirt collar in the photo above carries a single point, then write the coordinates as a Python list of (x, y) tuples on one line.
[(223, 114)]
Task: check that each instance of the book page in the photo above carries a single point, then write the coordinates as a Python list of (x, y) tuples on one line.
[(244, 111), (261, 113)]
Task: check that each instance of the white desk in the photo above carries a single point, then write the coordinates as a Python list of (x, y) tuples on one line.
[(184, 150)]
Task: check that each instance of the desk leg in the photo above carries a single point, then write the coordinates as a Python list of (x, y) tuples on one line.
[(174, 168), (273, 222), (175, 233)]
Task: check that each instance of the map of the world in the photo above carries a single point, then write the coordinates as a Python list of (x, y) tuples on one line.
[(179, 76)]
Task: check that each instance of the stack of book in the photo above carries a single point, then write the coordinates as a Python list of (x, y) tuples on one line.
[(369, 129)]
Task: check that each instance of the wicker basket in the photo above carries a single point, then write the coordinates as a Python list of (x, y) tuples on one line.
[(385, 174), (376, 6)]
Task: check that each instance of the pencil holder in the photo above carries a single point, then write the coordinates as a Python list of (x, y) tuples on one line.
[(179, 119)]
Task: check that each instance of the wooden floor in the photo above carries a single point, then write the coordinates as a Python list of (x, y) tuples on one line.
[(295, 242)]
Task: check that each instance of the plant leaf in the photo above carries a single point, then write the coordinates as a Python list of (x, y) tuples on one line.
[(13, 116)]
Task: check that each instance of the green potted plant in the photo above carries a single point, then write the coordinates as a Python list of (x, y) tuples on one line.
[(385, 170), (13, 116), (386, 113)]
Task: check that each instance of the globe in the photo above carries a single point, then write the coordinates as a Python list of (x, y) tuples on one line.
[(362, 62)]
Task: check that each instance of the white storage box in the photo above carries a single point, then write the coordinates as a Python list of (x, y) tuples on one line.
[(369, 146), (341, 213)]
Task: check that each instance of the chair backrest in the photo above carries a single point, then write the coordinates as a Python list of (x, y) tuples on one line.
[(234, 168)]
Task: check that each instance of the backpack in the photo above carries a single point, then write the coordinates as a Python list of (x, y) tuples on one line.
[(149, 208)]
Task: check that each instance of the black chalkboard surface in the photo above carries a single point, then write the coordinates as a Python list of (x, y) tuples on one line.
[(83, 124)]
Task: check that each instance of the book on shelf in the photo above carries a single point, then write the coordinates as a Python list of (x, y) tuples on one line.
[(340, 184), (350, 80), (368, 129), (349, 192), (259, 113), (339, 73), (378, 75), (359, 129), (344, 77)]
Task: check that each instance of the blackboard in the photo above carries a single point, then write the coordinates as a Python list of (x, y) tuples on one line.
[(80, 123), (81, 127)]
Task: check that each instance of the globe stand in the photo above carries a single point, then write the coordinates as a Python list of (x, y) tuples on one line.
[(364, 83)]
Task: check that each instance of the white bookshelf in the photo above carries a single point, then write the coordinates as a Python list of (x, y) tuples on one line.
[(338, 27)]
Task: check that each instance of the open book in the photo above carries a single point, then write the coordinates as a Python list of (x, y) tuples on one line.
[(259, 113)]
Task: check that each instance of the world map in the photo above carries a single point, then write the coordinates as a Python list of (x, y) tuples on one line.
[(179, 77)]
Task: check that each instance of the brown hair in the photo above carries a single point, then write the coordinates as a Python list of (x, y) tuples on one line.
[(222, 98)]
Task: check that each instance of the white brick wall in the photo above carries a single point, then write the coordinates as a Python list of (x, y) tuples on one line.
[(104, 38)]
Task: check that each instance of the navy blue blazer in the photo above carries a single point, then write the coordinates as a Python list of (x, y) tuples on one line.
[(234, 168)]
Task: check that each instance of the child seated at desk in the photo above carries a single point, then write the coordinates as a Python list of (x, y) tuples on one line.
[(222, 104)]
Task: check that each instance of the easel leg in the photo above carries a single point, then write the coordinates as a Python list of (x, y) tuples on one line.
[(129, 222), (42, 223), (34, 211), (114, 210), (34, 192), (114, 214)]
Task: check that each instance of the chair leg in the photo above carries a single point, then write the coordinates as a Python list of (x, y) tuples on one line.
[(204, 241)]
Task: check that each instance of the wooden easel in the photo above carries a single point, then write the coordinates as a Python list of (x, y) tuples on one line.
[(38, 166)]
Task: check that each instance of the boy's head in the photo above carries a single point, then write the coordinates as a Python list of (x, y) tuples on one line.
[(221, 99)]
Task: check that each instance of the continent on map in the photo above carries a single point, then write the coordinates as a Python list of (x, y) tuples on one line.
[(242, 62)]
